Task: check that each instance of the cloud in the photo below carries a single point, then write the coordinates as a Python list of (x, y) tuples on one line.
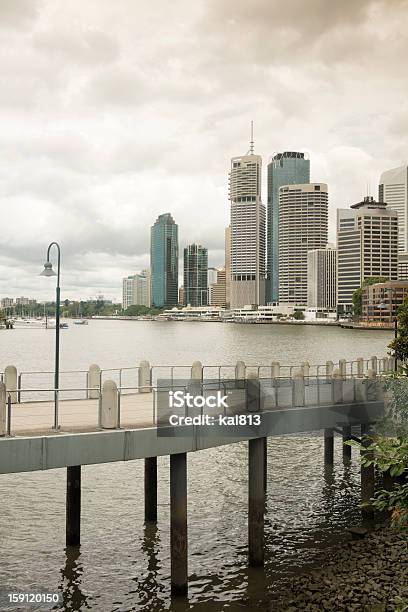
[(113, 113)]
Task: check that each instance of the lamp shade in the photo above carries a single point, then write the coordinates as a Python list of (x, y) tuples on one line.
[(48, 271)]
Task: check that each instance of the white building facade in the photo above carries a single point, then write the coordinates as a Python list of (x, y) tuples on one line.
[(367, 246), (136, 290), (248, 215), (303, 226), (322, 278)]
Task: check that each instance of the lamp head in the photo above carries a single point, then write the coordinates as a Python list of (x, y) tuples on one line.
[(48, 271)]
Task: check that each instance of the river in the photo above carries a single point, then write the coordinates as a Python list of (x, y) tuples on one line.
[(122, 564)]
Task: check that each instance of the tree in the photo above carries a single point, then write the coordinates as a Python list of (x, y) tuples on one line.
[(298, 315), (358, 294), (400, 345)]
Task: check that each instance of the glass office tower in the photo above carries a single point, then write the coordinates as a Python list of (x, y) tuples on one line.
[(288, 168), (195, 275), (164, 261)]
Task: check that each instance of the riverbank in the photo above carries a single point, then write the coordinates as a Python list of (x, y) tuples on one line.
[(370, 574)]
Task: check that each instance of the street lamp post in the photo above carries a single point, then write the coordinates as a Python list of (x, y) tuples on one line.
[(48, 271)]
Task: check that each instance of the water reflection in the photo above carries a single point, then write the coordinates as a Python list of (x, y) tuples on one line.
[(71, 579)]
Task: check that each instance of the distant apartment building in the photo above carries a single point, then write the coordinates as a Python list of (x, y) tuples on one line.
[(195, 275), (247, 231), (367, 246), (322, 278), (218, 294), (303, 226), (181, 295), (164, 261), (380, 302), (287, 168), (23, 301), (403, 266), (7, 302), (136, 290)]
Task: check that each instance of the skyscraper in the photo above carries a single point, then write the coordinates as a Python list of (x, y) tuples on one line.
[(228, 265), (195, 275), (393, 189), (164, 261), (286, 168), (247, 231), (303, 223), (322, 278), (367, 246)]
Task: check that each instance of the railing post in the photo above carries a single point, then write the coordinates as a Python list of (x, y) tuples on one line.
[(93, 381), (360, 367), (145, 377), (275, 369), (19, 388), (73, 506), (343, 368), (256, 501), (178, 524), (3, 409), (306, 371), (10, 379), (253, 393), (372, 364), (329, 370), (298, 389), (197, 371), (240, 370), (367, 478), (110, 405), (337, 387), (150, 488)]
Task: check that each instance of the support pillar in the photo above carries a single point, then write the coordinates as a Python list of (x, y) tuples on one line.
[(328, 447), (178, 523), (73, 506), (256, 501), (150, 489), (346, 447), (367, 481)]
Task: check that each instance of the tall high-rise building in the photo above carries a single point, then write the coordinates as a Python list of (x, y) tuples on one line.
[(195, 275), (367, 246), (288, 168), (218, 294), (164, 261), (393, 189), (247, 231), (303, 226), (136, 290), (228, 265), (322, 278)]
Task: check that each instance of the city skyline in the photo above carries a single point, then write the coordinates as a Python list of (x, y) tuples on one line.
[(100, 120)]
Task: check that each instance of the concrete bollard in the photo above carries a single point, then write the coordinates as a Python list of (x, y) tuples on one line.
[(109, 405), (240, 370), (3, 409), (343, 368), (337, 387), (391, 363), (197, 371), (372, 364), (10, 379), (360, 367), (144, 377), (371, 387), (383, 365), (305, 367), (94, 381), (298, 389), (329, 370), (275, 369), (253, 387)]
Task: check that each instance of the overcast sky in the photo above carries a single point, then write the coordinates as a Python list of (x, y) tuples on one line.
[(115, 111)]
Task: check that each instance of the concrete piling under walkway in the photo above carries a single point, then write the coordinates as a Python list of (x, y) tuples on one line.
[(73, 506), (150, 489), (328, 446), (367, 480), (256, 501), (346, 447), (178, 523)]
